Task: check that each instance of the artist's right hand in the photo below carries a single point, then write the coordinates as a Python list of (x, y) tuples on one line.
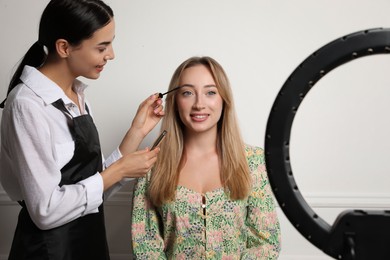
[(149, 113)]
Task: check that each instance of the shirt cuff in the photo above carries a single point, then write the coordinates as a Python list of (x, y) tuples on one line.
[(94, 192), (114, 156)]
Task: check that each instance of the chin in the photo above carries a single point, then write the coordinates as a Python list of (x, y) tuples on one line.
[(96, 76)]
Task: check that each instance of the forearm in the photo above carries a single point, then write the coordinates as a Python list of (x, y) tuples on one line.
[(113, 172), (149, 113), (131, 141), (263, 240)]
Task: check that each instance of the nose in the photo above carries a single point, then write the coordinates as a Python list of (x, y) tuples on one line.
[(199, 105), (110, 54)]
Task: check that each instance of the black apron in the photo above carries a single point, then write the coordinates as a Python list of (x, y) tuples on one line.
[(83, 238)]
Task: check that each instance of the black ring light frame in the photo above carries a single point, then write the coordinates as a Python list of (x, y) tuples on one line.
[(356, 234)]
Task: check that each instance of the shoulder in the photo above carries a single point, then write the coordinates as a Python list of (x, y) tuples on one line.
[(255, 158), (24, 108), (22, 98), (254, 153)]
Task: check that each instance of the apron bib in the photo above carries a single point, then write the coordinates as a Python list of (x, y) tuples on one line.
[(83, 238)]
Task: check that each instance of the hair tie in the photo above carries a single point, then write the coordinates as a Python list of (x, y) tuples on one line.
[(45, 49)]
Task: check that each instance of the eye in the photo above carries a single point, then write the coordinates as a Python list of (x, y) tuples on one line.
[(102, 49), (187, 93), (211, 93)]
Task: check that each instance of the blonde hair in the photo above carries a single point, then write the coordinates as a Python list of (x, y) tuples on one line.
[(234, 168)]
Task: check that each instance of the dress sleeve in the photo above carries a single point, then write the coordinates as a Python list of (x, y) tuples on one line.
[(262, 222), (146, 226)]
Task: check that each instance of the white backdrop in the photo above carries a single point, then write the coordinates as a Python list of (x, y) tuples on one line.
[(339, 144)]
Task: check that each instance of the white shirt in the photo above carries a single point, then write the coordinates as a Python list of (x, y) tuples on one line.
[(35, 144)]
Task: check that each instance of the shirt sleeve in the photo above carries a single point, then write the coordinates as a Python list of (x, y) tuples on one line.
[(38, 174), (262, 222), (146, 226)]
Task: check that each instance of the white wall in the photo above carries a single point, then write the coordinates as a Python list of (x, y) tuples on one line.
[(339, 145)]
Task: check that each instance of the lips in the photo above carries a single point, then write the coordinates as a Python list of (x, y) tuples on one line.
[(100, 67), (199, 117)]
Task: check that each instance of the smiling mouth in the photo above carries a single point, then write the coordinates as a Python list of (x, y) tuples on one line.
[(200, 116), (99, 68)]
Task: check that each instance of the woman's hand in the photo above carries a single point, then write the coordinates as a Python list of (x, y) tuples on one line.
[(137, 164), (132, 165), (149, 113)]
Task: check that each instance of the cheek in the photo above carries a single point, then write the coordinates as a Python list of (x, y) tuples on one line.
[(218, 109), (217, 105), (181, 110), (89, 58), (79, 63), (182, 106)]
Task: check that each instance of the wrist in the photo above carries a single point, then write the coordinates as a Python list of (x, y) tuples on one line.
[(135, 133), (112, 175), (131, 141)]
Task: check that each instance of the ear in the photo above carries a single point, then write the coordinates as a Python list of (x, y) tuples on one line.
[(62, 47)]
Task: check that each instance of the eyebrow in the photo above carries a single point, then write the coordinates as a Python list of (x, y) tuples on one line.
[(106, 42), (205, 86)]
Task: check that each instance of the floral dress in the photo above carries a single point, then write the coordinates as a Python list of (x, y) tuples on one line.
[(210, 225)]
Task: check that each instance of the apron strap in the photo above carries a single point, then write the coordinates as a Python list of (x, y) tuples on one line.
[(59, 104)]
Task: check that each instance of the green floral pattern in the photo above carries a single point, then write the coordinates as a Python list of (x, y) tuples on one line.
[(243, 229)]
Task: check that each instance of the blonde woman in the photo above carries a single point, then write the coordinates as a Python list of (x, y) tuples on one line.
[(208, 195)]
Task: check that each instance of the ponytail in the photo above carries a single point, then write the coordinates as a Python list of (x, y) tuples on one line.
[(34, 57)]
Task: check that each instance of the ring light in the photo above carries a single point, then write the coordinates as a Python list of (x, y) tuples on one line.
[(355, 234)]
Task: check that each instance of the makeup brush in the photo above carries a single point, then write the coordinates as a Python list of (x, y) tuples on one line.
[(161, 95)]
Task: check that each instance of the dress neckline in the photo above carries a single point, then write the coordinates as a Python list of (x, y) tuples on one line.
[(200, 193)]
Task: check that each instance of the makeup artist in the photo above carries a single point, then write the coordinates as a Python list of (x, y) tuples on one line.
[(208, 196), (50, 160)]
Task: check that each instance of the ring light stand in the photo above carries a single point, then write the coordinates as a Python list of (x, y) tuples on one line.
[(355, 234)]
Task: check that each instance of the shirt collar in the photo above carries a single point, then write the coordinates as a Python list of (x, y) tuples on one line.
[(47, 89)]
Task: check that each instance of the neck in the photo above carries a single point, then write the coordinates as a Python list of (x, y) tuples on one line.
[(58, 72), (201, 143)]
